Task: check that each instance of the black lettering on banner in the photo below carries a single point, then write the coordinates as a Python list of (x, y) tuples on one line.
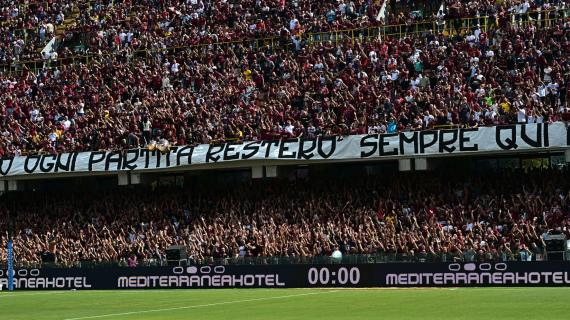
[(230, 148), (463, 139), (510, 143), (35, 166), (167, 155), (146, 154), (268, 148), (213, 150), (365, 143), (306, 153), (320, 145), (128, 162), (250, 146), (423, 144), (444, 144), (533, 143), (64, 166), (284, 147), (74, 161), (3, 171), (156, 153), (184, 152), (405, 140), (113, 157), (95, 157), (383, 143), (47, 167)]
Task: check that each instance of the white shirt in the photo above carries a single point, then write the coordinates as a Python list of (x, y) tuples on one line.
[(477, 116), (547, 71), (34, 115), (477, 33), (174, 68), (293, 23), (553, 87), (415, 83), (146, 126), (66, 124), (165, 82), (524, 7), (427, 119), (123, 37), (521, 115), (395, 74), (297, 43), (342, 8)]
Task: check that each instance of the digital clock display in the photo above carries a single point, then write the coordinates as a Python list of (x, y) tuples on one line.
[(341, 276)]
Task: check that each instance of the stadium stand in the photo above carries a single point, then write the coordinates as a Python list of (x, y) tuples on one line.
[(98, 27), (26, 27), (358, 84), (479, 216), (114, 75)]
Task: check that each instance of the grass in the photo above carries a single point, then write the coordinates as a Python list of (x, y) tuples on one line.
[(469, 303)]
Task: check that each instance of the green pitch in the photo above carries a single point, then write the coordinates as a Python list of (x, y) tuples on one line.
[(472, 303)]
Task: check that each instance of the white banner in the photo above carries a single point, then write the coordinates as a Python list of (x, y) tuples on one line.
[(404, 144)]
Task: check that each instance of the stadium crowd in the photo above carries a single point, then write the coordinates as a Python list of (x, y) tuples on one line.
[(486, 216), (215, 93), (107, 26), (112, 26), (27, 26), (147, 24)]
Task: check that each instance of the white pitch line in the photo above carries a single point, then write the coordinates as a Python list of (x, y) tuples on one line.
[(199, 306)]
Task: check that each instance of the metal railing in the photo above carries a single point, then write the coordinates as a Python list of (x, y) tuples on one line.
[(313, 260), (462, 26)]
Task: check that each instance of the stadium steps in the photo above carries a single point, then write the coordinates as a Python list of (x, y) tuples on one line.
[(427, 9), (69, 21)]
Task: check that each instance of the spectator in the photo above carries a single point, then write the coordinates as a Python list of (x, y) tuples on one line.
[(498, 216), (132, 262), (209, 94)]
